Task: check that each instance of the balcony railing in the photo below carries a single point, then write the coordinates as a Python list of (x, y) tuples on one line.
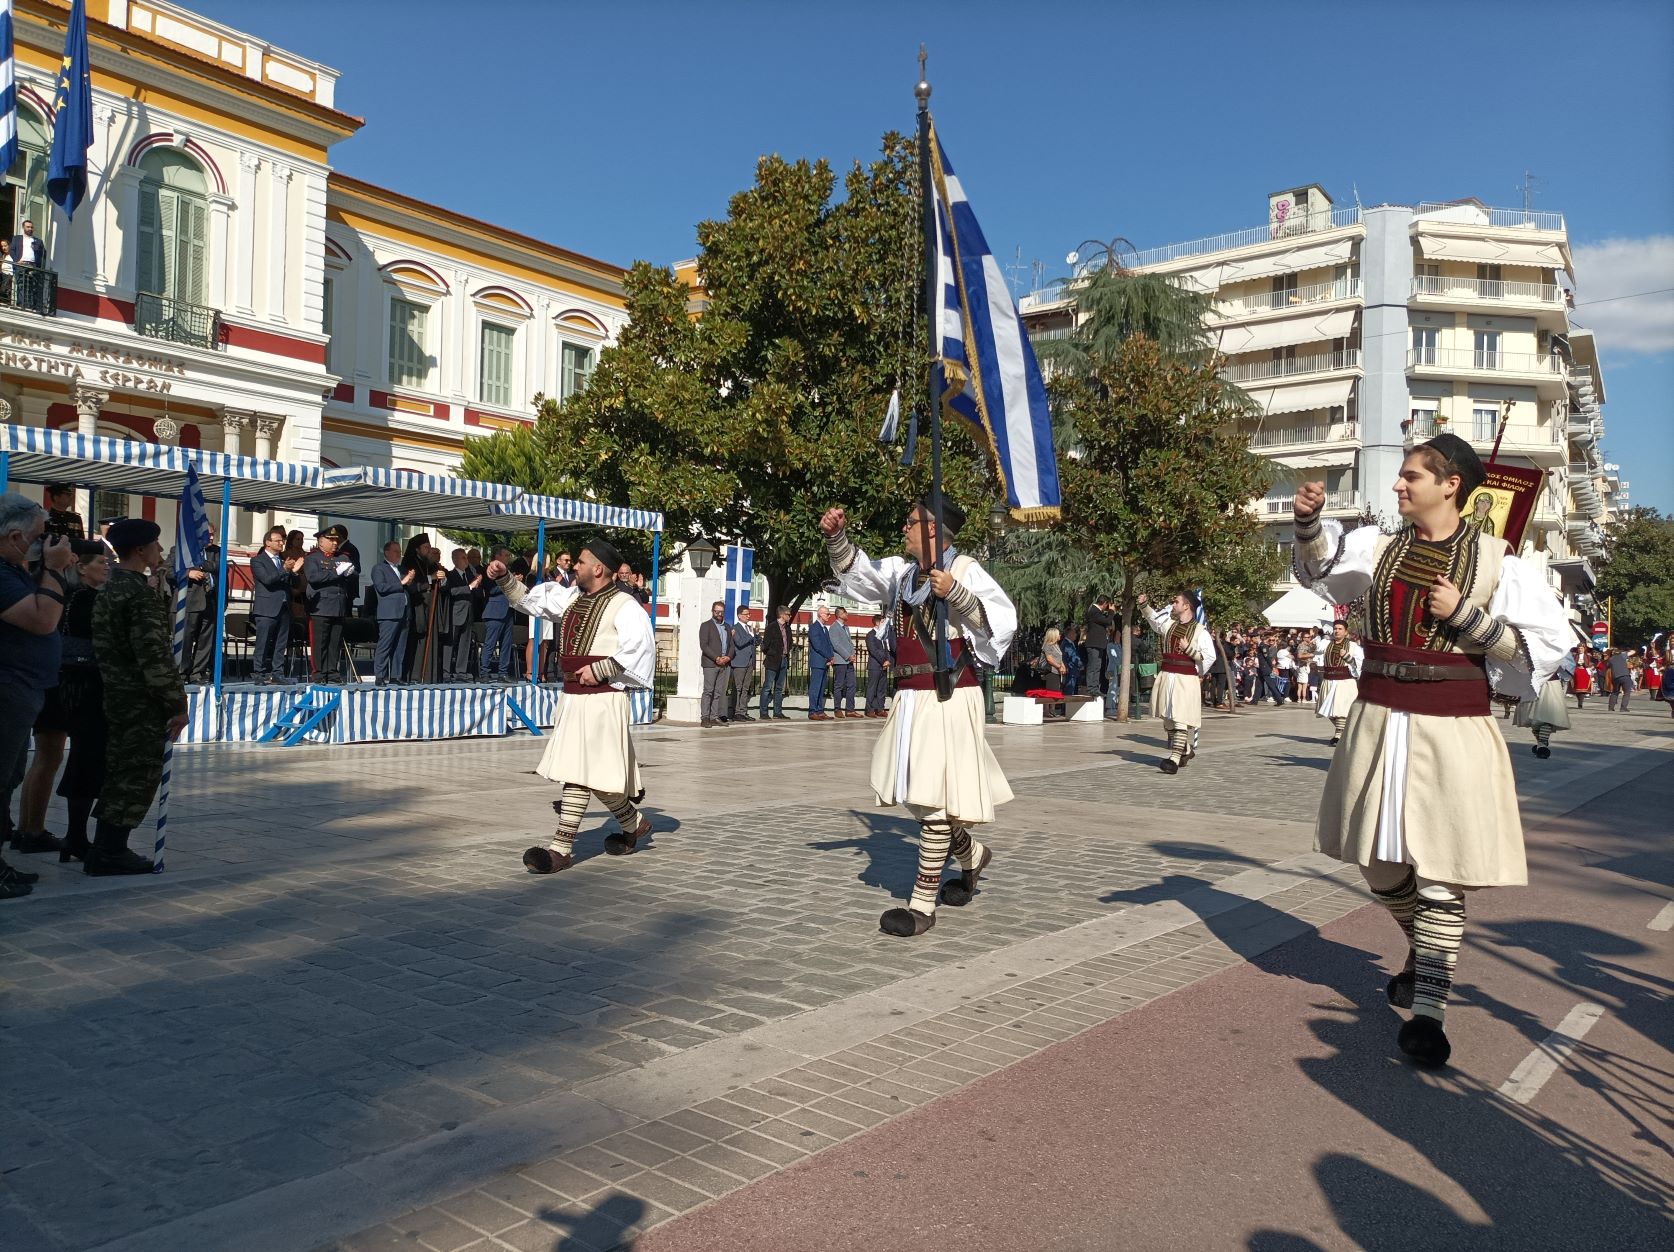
[(1290, 436), (1294, 298), (1486, 289), (162, 317), (1483, 431), (1314, 363), (1518, 219), (31, 289), (1335, 502), (1305, 222), (1491, 361)]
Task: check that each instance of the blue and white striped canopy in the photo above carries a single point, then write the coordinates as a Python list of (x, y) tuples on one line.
[(364, 492)]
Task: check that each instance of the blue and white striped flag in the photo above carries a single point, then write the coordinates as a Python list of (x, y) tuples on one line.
[(191, 540), (740, 574), (8, 90), (990, 377)]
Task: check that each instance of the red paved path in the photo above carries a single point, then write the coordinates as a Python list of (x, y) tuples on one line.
[(1261, 1109)]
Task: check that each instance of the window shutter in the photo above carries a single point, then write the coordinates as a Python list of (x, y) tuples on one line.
[(168, 269), (150, 214), (194, 249)]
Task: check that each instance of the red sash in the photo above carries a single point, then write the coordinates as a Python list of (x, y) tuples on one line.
[(1335, 673), (1463, 697), (1172, 664), (572, 665), (912, 666)]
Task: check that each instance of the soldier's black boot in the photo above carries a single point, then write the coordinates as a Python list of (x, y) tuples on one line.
[(111, 854)]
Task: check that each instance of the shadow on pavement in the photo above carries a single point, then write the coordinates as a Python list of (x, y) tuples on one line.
[(890, 847), (600, 1228)]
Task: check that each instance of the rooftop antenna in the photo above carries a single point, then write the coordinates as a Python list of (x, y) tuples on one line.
[(1014, 270), (1355, 187), (1529, 181)]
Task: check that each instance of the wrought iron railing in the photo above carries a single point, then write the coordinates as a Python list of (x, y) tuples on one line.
[(33, 290), (163, 317)]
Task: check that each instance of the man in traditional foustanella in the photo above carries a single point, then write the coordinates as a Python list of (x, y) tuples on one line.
[(1339, 674), (932, 757), (1420, 795), (1188, 652), (605, 647)]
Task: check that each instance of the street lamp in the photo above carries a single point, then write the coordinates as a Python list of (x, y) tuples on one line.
[(997, 521), (701, 553)]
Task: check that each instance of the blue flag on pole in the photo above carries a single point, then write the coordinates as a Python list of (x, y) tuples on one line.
[(8, 90), (72, 106), (741, 573), (191, 541), (990, 378)]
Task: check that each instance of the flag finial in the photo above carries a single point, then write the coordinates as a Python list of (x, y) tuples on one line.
[(922, 91)]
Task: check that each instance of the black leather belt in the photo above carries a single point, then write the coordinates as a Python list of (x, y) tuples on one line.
[(1415, 672), (912, 671)]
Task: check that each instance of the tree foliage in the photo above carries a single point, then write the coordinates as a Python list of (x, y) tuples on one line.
[(1638, 575), (746, 423), (1160, 482)]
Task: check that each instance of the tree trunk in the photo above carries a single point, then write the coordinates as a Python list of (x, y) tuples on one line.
[(1125, 634)]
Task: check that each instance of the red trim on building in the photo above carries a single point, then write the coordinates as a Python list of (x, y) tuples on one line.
[(91, 304), (148, 508), (236, 336), (384, 400), (344, 392), (476, 417)]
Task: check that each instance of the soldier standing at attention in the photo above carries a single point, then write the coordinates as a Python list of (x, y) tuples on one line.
[(145, 698)]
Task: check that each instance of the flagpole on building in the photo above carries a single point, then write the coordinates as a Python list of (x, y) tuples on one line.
[(939, 660)]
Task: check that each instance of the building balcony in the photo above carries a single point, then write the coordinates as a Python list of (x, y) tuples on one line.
[(1543, 442), (1337, 503), (30, 289), (162, 317), (1288, 367), (1310, 222), (1292, 438), (1541, 367), (1443, 289), (1255, 303)]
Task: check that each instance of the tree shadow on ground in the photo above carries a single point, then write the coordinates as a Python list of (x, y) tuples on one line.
[(601, 1229)]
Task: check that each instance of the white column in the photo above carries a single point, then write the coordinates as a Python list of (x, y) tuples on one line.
[(88, 402), (696, 595), (125, 189), (279, 225), (267, 426), (105, 246), (221, 259), (233, 423), (464, 372), (245, 259)]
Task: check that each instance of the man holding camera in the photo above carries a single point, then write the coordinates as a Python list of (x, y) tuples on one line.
[(32, 594)]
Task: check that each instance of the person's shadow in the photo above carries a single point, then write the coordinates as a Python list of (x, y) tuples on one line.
[(889, 847), (600, 1228)]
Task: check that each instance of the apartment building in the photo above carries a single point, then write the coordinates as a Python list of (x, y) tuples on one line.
[(1361, 331)]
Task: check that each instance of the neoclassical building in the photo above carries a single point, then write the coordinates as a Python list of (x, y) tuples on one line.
[(223, 287)]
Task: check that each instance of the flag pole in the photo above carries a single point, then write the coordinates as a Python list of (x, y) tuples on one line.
[(939, 660)]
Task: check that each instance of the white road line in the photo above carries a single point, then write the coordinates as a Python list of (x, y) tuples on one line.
[(1529, 1077), (1664, 920)]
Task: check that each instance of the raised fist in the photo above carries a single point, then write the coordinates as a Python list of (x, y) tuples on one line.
[(496, 570), (1310, 499), (834, 522)]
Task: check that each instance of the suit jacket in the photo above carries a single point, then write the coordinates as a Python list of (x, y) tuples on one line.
[(348, 552), (329, 593), (775, 643), (272, 584), (819, 645), (1099, 623), (712, 638), (15, 250), (200, 593), (744, 643), (876, 649), (495, 606), (458, 608), (392, 596)]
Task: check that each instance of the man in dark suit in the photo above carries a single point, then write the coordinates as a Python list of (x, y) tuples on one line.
[(331, 579), (27, 249), (459, 616), (1100, 621), (199, 653), (271, 579), (715, 641), (745, 641), (775, 660), (391, 586), (497, 650), (879, 661), (819, 660)]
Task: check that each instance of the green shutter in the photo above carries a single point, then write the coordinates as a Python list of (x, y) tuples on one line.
[(168, 234), (150, 214), (194, 250)]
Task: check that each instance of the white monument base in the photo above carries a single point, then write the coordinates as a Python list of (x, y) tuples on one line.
[(1022, 711), (684, 709)]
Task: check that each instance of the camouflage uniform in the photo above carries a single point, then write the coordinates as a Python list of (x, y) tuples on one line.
[(143, 692)]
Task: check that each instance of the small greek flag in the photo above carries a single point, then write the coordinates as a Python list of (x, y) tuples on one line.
[(740, 574), (989, 375), (8, 90), (1202, 613)]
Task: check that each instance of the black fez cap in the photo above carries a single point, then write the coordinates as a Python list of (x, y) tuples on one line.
[(604, 552), (132, 532), (1462, 459), (59, 489), (953, 517)]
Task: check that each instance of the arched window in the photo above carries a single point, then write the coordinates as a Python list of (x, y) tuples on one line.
[(173, 226), (23, 196)]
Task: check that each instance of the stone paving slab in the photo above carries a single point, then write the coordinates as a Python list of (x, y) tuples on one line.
[(375, 992)]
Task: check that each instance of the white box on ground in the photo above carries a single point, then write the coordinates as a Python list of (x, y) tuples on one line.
[(1022, 711)]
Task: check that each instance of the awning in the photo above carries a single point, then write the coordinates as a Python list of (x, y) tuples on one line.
[(1455, 248), (1332, 393), (1316, 460), (1335, 253), (1298, 607), (1284, 332)]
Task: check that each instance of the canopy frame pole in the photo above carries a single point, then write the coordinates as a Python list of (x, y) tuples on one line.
[(5, 470), (221, 586), (540, 572), (656, 562)]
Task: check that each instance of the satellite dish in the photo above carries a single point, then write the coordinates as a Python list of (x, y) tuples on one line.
[(1072, 258)]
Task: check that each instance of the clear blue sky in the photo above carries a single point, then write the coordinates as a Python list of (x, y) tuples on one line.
[(613, 128)]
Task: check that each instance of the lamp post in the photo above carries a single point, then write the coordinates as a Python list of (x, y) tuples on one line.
[(998, 520), (701, 553), (686, 704)]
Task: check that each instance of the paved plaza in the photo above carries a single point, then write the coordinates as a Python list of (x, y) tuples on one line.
[(346, 1018)]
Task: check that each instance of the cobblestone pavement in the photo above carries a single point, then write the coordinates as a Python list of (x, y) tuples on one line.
[(345, 1014)]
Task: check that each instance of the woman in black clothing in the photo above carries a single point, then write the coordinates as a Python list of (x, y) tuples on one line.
[(81, 693), (421, 623)]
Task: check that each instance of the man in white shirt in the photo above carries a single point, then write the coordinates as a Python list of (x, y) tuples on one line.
[(26, 249)]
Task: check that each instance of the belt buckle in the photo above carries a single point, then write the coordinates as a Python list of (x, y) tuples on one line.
[(1406, 671)]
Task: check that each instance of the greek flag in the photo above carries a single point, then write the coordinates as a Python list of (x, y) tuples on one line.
[(740, 573), (989, 375), (191, 540), (8, 90)]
